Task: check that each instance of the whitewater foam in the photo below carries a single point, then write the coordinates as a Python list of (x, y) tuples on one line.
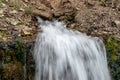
[(64, 54)]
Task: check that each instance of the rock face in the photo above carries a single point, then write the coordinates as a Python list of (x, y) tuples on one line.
[(94, 17), (50, 8), (99, 18)]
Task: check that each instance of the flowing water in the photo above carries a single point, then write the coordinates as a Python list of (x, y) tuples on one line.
[(64, 54)]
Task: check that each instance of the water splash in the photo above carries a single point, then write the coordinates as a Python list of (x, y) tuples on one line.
[(62, 54)]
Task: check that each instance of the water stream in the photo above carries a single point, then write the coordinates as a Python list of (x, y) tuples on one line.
[(64, 54)]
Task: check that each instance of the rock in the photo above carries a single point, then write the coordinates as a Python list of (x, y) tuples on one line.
[(61, 7), (44, 14), (74, 25), (25, 0), (26, 30), (48, 8), (13, 12), (42, 10), (117, 23), (12, 21), (1, 13), (2, 5), (21, 9)]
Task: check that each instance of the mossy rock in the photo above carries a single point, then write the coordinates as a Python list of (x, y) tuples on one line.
[(14, 62), (113, 54)]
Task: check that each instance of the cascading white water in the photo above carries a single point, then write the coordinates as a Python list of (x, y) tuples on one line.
[(62, 54)]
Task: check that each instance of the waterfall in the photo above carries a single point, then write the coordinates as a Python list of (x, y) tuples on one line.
[(64, 54)]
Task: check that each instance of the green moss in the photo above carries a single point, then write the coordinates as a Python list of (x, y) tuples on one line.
[(1, 3), (19, 23), (13, 60), (13, 56), (113, 53), (3, 34), (28, 10)]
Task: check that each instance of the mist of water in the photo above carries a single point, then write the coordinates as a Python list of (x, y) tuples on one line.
[(64, 54)]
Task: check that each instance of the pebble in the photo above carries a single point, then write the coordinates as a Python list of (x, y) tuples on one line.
[(117, 23), (13, 12)]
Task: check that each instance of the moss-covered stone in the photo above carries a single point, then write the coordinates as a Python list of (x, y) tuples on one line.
[(113, 53), (14, 62)]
